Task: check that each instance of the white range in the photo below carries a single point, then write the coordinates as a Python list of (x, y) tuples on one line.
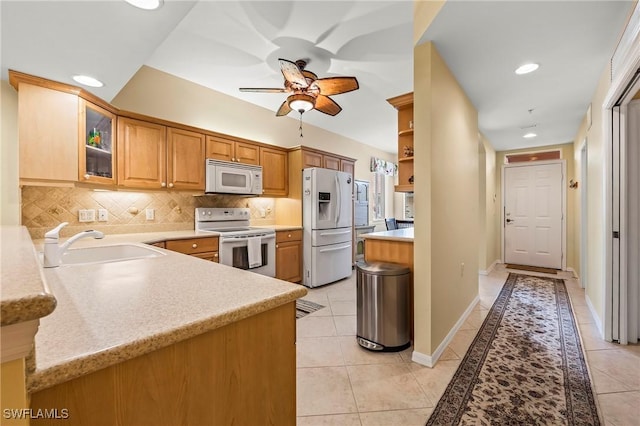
[(241, 245)]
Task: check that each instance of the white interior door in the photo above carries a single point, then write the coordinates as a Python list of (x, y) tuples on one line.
[(533, 215)]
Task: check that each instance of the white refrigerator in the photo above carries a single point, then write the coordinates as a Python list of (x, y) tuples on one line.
[(327, 225)]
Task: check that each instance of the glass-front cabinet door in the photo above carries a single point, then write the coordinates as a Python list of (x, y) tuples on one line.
[(97, 145)]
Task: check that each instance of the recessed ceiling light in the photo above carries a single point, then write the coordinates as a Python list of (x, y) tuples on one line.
[(146, 4), (527, 68), (85, 80), (530, 135)]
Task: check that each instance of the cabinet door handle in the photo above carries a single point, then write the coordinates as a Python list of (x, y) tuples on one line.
[(87, 176), (277, 246), (233, 159), (194, 245), (171, 185), (215, 255), (289, 235), (163, 184)]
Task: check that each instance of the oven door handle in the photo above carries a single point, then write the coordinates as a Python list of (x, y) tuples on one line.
[(245, 237)]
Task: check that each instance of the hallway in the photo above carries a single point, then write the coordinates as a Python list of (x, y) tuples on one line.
[(340, 383)]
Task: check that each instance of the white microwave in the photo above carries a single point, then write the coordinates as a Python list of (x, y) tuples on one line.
[(226, 177)]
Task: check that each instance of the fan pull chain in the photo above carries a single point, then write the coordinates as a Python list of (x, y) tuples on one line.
[(300, 128)]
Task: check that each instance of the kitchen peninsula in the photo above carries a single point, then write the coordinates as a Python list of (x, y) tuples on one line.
[(394, 246), (164, 340)]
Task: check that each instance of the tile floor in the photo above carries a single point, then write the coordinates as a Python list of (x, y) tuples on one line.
[(340, 383)]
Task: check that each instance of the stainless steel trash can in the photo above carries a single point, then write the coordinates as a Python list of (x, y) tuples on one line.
[(383, 293)]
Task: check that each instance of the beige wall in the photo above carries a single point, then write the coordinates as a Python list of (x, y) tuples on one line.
[(596, 255), (567, 155), (158, 94), (446, 199), (424, 11), (9, 193), (489, 207)]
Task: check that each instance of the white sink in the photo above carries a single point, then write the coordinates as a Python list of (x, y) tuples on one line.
[(111, 253)]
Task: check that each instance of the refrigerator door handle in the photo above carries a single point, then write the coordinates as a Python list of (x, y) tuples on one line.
[(324, 234), (339, 200), (335, 248)]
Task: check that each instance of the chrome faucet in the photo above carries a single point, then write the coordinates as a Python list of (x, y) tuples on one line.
[(53, 252)]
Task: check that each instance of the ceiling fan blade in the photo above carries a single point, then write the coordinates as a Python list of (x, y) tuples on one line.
[(284, 109), (292, 73), (327, 105), (336, 85), (263, 89)]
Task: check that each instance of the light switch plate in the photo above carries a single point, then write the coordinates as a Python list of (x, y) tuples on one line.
[(86, 215), (103, 215)]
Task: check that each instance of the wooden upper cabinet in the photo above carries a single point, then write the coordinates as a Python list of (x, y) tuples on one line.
[(97, 145), (348, 166), (247, 153), (332, 163), (48, 124), (219, 148), (311, 159), (224, 149), (275, 175), (186, 159), (142, 154)]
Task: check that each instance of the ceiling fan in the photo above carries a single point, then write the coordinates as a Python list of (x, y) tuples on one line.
[(306, 90)]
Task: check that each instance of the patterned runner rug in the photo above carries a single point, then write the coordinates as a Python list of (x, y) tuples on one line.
[(525, 365), (305, 307)]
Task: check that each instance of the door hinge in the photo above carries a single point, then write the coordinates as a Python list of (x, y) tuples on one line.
[(616, 234)]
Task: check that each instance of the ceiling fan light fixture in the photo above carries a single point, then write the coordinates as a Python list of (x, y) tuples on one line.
[(85, 80), (530, 135), (146, 4), (301, 102), (527, 68)]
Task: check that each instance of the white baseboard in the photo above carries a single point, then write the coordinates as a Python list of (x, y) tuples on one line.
[(430, 360), (490, 268), (422, 359), (573, 272), (595, 316)]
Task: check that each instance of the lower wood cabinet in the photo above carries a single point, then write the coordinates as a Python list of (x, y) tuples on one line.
[(243, 373), (204, 248), (289, 255)]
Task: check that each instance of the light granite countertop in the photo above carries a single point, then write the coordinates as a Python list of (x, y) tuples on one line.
[(111, 312), (404, 234), (24, 295)]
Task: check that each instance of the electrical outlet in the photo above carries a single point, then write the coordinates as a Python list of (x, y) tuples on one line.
[(103, 215), (151, 214), (86, 215)]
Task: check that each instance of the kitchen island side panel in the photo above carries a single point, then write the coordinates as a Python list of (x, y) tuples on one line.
[(242, 373)]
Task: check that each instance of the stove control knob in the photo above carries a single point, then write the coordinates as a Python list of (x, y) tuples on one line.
[(209, 213)]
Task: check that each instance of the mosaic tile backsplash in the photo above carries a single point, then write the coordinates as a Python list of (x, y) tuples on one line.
[(45, 207)]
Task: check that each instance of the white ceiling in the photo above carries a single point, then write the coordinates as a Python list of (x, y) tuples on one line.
[(225, 45)]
